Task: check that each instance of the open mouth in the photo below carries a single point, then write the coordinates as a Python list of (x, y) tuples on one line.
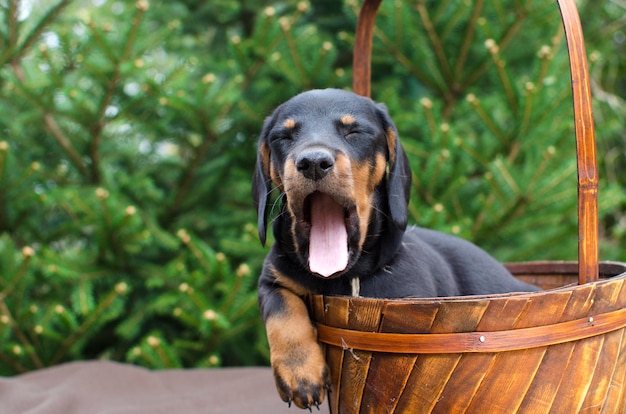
[(330, 222)]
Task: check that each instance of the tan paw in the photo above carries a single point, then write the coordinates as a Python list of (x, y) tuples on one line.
[(302, 377)]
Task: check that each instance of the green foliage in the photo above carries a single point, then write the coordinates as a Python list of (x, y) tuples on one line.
[(482, 130), (129, 137)]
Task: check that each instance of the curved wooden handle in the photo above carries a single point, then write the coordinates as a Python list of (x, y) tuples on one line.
[(362, 56), (585, 145), (583, 118)]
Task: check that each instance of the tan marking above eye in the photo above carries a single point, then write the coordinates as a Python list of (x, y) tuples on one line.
[(289, 123), (347, 119)]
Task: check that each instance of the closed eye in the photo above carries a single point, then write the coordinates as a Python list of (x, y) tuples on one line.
[(359, 131), (281, 136), (284, 134), (351, 130)]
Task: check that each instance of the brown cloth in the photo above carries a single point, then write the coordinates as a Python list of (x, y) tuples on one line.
[(101, 387)]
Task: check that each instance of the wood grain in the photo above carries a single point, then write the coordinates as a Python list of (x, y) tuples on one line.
[(542, 352)]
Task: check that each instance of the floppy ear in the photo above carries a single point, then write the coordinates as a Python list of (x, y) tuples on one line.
[(262, 182), (399, 173), (398, 190)]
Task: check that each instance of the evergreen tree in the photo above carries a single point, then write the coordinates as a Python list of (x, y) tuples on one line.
[(129, 136)]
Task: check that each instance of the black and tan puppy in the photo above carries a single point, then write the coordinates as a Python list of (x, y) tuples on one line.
[(340, 228)]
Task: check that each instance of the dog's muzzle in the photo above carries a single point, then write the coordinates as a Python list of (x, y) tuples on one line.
[(324, 209)]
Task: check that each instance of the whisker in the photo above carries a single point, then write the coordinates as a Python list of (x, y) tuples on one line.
[(277, 205), (280, 214)]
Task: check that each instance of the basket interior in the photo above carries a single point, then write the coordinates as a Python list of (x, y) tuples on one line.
[(556, 274)]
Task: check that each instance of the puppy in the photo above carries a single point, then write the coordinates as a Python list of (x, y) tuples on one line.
[(341, 229)]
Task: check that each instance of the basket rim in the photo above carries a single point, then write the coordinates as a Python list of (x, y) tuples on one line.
[(513, 339), (484, 341), (613, 269)]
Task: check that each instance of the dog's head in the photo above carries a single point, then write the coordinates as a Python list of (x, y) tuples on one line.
[(343, 177)]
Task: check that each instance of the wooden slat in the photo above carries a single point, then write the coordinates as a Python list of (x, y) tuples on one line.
[(611, 369), (387, 379), (363, 315), (502, 314), (353, 375), (621, 301), (512, 373), (608, 296), (581, 302), (389, 373), (542, 392), (603, 372), (406, 317), (336, 311), (463, 384), (426, 382), (432, 372), (616, 395), (578, 375), (506, 383), (448, 320), (540, 395), (316, 307), (472, 368)]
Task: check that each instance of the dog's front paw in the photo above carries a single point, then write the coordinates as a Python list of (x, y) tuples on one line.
[(302, 376)]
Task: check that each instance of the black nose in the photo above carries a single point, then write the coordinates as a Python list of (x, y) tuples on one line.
[(314, 164)]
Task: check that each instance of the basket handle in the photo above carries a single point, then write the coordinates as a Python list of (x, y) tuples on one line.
[(583, 118)]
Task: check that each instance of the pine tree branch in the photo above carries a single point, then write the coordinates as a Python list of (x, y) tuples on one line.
[(293, 49), (19, 275), (468, 38), (528, 110), (502, 43), (509, 89), (17, 367), (14, 6), (99, 122), (20, 335), (435, 41), (442, 7), (404, 60), (78, 332), (14, 52), (187, 179), (35, 34), (50, 123), (210, 136), (487, 120), (53, 128)]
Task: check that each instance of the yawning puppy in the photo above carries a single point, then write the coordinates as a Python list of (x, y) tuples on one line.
[(340, 228)]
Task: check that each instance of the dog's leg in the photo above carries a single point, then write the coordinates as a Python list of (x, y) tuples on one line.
[(297, 360)]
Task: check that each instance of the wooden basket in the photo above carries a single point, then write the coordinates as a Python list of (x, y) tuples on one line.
[(562, 350)]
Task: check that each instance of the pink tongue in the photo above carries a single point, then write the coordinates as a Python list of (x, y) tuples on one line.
[(328, 243)]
